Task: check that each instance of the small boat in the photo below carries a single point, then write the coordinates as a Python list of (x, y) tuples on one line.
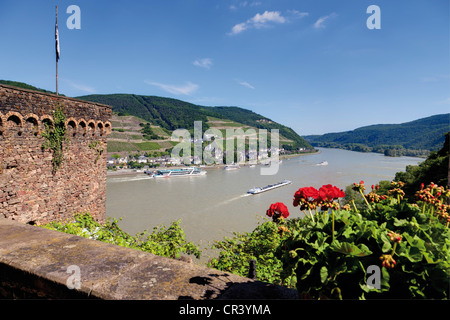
[(231, 167), (269, 187), (184, 172), (323, 163)]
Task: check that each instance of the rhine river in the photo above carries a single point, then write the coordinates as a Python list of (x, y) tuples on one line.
[(215, 205)]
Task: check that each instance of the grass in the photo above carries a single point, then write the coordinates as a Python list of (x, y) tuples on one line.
[(147, 146), (118, 146)]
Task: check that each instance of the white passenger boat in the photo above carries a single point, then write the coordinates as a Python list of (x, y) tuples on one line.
[(231, 167), (323, 163), (184, 172), (269, 187)]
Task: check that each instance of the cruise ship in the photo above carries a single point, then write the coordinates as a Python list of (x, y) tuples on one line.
[(184, 172)]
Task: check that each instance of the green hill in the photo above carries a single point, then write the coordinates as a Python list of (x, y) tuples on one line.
[(417, 137), (24, 86), (172, 114)]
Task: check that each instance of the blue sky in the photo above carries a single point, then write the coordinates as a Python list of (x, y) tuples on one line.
[(312, 65)]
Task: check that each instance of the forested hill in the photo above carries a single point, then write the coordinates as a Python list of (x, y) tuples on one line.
[(174, 114), (426, 134)]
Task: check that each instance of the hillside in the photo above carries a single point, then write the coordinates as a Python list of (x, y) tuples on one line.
[(24, 86), (417, 137), (171, 114)]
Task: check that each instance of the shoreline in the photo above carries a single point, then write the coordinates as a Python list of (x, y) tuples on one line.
[(121, 172)]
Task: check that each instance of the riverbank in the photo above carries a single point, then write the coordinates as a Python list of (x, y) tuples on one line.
[(121, 172)]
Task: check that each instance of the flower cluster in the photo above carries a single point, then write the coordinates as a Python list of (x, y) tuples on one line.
[(394, 236), (311, 198), (435, 197), (432, 194), (359, 186), (283, 229), (388, 261), (372, 196), (397, 189), (277, 211)]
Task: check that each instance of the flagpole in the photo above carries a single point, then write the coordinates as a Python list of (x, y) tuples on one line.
[(57, 40)]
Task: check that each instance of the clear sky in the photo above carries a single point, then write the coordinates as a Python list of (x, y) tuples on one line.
[(312, 65)]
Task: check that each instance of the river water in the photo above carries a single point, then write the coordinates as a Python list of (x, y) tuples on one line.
[(215, 205)]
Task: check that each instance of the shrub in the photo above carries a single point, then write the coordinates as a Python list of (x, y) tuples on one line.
[(163, 241)]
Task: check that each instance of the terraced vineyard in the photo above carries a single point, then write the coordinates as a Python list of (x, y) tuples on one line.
[(127, 135)]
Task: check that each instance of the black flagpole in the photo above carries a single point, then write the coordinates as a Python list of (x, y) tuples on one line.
[(57, 45)]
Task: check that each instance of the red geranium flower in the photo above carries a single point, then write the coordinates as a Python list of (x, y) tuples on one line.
[(277, 210), (306, 194), (330, 193)]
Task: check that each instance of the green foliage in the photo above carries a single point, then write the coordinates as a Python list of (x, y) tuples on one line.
[(98, 149), (433, 169), (148, 133), (163, 241), (119, 146), (303, 253), (55, 136), (261, 245), (338, 269), (147, 146)]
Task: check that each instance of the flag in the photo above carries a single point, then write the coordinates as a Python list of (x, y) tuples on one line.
[(57, 40)]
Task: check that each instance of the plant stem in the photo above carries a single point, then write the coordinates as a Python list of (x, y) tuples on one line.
[(393, 249), (354, 206), (368, 204), (310, 214), (332, 225)]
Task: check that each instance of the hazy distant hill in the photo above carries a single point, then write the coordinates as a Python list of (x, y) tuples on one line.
[(422, 134), (174, 114)]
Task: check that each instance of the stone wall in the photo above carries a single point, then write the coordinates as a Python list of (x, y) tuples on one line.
[(36, 263), (31, 191)]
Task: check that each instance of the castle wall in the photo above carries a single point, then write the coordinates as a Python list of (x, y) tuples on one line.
[(31, 190)]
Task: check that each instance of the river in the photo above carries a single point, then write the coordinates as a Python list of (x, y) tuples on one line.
[(215, 205)]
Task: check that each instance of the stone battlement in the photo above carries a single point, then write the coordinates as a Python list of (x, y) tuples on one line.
[(31, 191)]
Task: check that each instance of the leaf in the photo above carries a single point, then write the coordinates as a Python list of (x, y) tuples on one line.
[(350, 249), (386, 242), (414, 254), (348, 232), (400, 222), (384, 279), (323, 274)]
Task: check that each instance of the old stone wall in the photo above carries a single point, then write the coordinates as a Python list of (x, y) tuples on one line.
[(36, 263), (31, 190)]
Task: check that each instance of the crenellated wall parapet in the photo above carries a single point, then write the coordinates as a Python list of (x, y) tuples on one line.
[(14, 123), (31, 190)]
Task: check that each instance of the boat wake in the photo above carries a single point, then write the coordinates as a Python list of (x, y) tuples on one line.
[(128, 179), (222, 203), (231, 200)]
